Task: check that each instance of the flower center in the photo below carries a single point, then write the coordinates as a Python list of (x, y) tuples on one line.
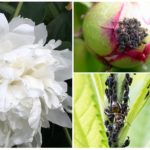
[(130, 34)]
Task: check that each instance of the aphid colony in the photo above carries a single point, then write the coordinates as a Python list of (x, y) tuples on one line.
[(130, 34), (117, 110)]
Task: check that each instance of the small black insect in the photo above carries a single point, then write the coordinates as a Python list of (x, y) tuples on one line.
[(130, 34), (126, 143), (148, 93), (110, 128), (106, 123)]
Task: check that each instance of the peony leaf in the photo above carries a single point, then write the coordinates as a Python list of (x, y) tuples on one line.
[(7, 8), (138, 101), (140, 128), (88, 122)]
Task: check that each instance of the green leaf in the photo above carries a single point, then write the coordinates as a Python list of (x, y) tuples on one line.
[(34, 11), (138, 132), (52, 10), (137, 95), (7, 8), (60, 27), (88, 122)]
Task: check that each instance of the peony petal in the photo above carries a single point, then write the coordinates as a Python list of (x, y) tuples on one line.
[(3, 133), (24, 29), (17, 89), (7, 100), (3, 116), (4, 27), (55, 86), (15, 22), (21, 136), (51, 99), (7, 72), (37, 141), (35, 114), (21, 110), (45, 124), (64, 72), (67, 104), (40, 33), (60, 118), (18, 40), (33, 83), (15, 121), (52, 44)]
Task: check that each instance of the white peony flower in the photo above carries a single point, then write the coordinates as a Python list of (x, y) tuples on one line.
[(32, 87)]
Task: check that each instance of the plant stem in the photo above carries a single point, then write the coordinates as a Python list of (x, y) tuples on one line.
[(19, 6), (68, 136)]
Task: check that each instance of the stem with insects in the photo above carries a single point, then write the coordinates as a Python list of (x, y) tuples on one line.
[(135, 109)]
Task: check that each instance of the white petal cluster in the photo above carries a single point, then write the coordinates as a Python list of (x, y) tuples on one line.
[(32, 87)]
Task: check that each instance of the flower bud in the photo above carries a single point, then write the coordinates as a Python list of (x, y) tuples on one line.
[(118, 33)]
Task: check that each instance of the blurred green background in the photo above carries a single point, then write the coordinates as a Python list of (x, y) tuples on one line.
[(57, 16), (84, 61)]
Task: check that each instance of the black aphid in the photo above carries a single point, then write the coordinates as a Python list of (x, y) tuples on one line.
[(126, 143), (130, 34), (117, 110), (147, 94)]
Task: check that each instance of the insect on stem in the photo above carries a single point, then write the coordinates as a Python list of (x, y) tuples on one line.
[(116, 110)]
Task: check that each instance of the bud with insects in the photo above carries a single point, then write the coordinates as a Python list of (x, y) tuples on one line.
[(118, 33)]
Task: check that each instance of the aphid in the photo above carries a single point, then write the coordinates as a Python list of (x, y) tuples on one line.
[(126, 93), (127, 76), (126, 143), (110, 128), (126, 86), (109, 143), (107, 134), (114, 97), (126, 99), (124, 108), (106, 123), (107, 94), (130, 81), (148, 86), (130, 34), (148, 93)]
